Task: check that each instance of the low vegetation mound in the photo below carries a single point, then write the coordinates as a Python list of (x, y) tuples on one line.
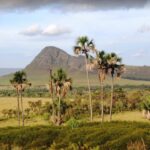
[(114, 135)]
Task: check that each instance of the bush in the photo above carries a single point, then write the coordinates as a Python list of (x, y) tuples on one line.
[(46, 116), (94, 136), (73, 123), (137, 145)]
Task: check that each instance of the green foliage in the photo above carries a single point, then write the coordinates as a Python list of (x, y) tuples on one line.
[(19, 77), (73, 123), (145, 105), (59, 76), (89, 136), (46, 116)]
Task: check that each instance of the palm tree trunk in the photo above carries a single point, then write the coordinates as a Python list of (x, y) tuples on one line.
[(22, 110), (52, 96), (53, 108), (112, 95), (59, 111), (89, 88), (18, 108), (102, 101)]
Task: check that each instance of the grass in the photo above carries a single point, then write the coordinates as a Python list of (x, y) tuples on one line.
[(106, 136), (129, 116), (79, 80), (11, 103)]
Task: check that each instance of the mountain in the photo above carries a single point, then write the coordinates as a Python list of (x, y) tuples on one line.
[(56, 58), (137, 73), (53, 57)]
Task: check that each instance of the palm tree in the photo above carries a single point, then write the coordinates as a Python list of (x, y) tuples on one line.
[(15, 85), (62, 86), (102, 67), (51, 90), (23, 86), (20, 83), (84, 46), (116, 69)]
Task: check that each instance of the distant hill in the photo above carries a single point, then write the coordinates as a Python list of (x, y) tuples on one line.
[(56, 58), (138, 73), (5, 71), (53, 57)]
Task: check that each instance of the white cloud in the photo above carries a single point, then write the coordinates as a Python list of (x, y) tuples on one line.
[(140, 53), (55, 30), (33, 30), (144, 29), (51, 30)]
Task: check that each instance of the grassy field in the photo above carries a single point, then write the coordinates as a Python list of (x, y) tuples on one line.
[(87, 136), (10, 103), (79, 80), (39, 133), (129, 116)]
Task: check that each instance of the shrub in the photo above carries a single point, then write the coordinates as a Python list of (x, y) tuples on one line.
[(46, 116), (73, 123), (137, 145)]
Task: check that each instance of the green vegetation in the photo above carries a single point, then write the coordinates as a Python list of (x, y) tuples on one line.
[(75, 111), (20, 83), (59, 87), (85, 46), (114, 135), (127, 105)]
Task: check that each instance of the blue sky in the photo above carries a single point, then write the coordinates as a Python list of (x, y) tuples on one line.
[(24, 30)]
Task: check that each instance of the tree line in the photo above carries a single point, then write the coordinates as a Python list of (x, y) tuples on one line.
[(106, 65)]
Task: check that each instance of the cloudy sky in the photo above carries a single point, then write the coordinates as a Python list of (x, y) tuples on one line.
[(27, 26)]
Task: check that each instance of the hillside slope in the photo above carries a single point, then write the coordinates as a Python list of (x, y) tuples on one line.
[(56, 58), (53, 57)]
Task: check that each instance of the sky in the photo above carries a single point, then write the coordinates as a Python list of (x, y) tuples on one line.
[(27, 26)]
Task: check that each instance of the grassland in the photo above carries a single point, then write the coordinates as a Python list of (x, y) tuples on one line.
[(89, 136), (79, 80), (11, 103)]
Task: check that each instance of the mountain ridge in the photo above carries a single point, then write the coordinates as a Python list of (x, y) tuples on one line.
[(54, 58)]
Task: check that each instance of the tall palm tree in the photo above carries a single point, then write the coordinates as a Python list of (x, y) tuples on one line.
[(116, 69), (15, 85), (20, 83), (51, 90), (84, 46), (23, 86), (62, 86), (102, 67)]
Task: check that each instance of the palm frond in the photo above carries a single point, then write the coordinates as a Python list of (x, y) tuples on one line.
[(119, 59), (82, 41), (91, 46), (113, 54), (77, 50), (19, 77)]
